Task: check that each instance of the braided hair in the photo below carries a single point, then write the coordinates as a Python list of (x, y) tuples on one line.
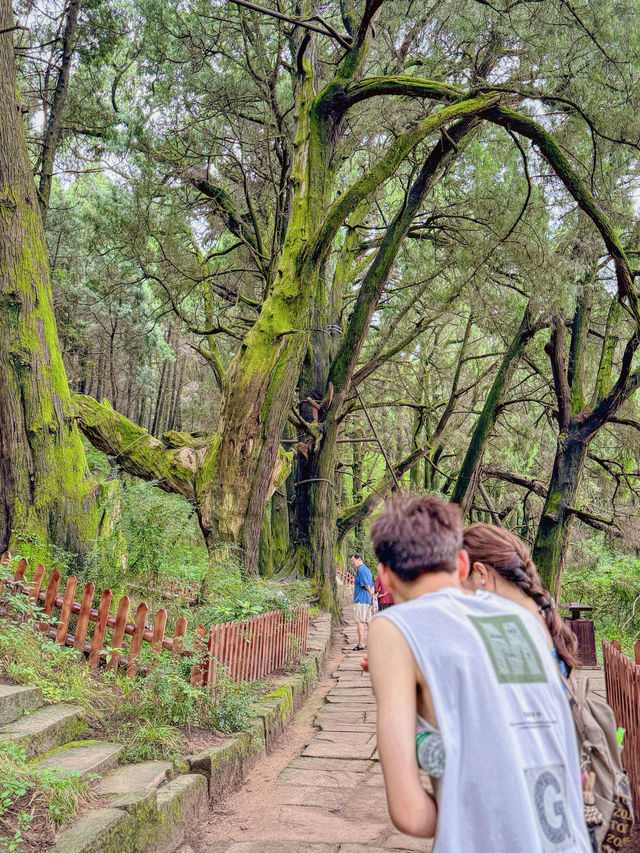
[(509, 556)]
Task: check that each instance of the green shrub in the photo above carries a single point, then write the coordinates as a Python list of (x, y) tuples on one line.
[(235, 597), (159, 535), (148, 740), (232, 711), (36, 550), (166, 695), (30, 657)]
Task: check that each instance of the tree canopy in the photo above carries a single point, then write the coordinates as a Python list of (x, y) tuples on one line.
[(305, 255)]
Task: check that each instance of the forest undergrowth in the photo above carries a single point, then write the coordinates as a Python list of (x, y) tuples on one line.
[(160, 716)]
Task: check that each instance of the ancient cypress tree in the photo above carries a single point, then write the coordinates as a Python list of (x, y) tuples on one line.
[(230, 474), (46, 487)]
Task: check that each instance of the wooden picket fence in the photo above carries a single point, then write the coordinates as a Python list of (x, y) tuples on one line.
[(253, 648), (345, 576), (57, 624), (622, 679), (250, 649), (167, 588)]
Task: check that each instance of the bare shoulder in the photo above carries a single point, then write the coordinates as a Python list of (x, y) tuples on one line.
[(389, 654), (385, 633)]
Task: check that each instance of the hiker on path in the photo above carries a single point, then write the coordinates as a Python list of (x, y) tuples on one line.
[(385, 598), (362, 597), (473, 673)]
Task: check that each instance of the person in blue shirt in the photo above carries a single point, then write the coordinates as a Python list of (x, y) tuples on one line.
[(362, 597)]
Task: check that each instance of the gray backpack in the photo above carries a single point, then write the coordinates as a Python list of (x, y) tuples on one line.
[(608, 805)]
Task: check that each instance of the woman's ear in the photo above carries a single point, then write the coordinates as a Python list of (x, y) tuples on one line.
[(483, 575)]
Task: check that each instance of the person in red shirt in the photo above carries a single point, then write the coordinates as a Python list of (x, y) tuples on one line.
[(385, 598)]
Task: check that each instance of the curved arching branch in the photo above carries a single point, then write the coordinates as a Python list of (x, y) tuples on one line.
[(525, 126)]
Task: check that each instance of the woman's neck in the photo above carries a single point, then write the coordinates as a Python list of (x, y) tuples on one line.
[(513, 592)]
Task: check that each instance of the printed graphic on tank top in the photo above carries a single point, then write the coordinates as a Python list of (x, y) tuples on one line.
[(547, 789), (515, 660), (513, 654)]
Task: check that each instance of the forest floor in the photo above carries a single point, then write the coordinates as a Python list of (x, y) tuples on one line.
[(321, 789)]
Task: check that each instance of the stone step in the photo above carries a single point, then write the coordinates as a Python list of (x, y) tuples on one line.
[(88, 758), (46, 729), (134, 777), (16, 700)]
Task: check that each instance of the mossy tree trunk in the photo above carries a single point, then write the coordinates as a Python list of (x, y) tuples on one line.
[(358, 493), (552, 537), (343, 368), (578, 424), (468, 475), (315, 393), (46, 487)]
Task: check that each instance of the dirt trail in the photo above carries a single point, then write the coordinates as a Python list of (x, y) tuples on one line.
[(321, 789)]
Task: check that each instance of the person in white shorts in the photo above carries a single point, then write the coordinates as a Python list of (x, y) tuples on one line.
[(362, 597), (476, 672)]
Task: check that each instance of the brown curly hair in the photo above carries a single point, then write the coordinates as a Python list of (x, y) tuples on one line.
[(509, 556), (417, 535)]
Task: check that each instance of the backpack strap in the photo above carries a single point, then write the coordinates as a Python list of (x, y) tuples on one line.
[(577, 695)]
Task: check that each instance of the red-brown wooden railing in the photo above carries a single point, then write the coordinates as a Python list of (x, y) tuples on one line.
[(345, 576), (250, 650), (622, 679), (258, 646), (58, 626)]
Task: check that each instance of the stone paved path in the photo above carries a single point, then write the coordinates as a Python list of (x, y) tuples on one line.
[(330, 799)]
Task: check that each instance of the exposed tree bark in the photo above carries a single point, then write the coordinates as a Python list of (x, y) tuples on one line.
[(100, 372), (358, 493), (324, 507), (46, 488), (175, 415), (178, 462), (314, 400), (552, 537)]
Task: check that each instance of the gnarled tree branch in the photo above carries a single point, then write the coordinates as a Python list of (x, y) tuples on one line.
[(172, 465)]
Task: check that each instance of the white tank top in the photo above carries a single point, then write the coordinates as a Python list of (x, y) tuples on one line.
[(511, 782)]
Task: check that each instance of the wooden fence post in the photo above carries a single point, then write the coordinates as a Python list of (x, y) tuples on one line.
[(65, 613), (249, 649), (36, 583), (200, 647), (99, 630), (117, 635), (180, 632), (159, 625), (136, 639)]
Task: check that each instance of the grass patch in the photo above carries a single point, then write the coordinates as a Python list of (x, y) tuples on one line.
[(34, 800)]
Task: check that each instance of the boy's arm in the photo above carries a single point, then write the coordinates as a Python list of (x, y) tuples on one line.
[(393, 674)]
